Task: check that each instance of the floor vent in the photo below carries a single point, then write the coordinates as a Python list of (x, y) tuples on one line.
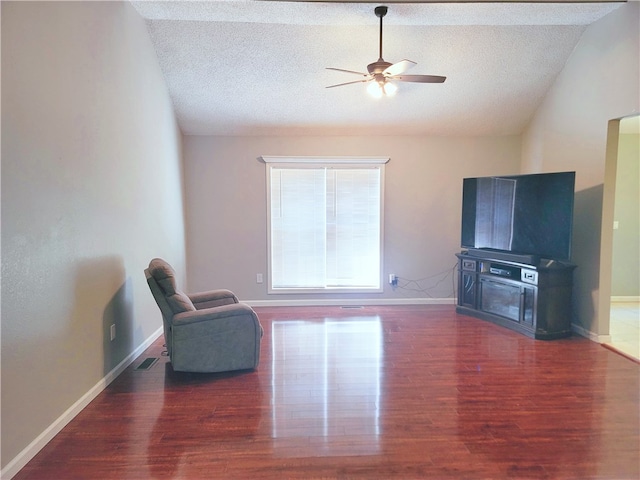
[(352, 306), (147, 363)]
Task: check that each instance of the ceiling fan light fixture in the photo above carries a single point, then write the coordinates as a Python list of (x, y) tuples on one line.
[(375, 90), (389, 89), (382, 89)]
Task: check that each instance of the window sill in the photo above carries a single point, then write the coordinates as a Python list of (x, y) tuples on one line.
[(325, 291)]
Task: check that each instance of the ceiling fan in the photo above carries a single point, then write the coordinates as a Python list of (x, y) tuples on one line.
[(381, 72)]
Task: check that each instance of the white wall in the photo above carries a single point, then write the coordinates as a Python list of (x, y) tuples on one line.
[(569, 132), (225, 191), (91, 191)]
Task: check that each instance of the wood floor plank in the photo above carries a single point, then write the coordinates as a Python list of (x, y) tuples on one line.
[(376, 392)]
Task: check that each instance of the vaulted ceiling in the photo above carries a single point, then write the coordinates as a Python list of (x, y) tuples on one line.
[(238, 67)]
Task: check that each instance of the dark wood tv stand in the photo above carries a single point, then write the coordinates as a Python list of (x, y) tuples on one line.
[(531, 299)]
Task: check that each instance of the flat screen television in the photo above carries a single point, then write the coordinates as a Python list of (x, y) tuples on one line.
[(522, 215)]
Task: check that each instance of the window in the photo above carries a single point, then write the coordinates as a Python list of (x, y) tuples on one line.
[(325, 223)]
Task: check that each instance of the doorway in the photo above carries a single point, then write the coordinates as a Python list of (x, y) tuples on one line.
[(621, 238)]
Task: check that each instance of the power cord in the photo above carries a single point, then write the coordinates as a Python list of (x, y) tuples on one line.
[(417, 285)]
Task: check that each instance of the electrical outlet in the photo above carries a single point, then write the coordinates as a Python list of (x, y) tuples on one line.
[(113, 332), (258, 278), (393, 280)]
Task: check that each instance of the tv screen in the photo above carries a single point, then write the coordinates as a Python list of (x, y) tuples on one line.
[(521, 214)]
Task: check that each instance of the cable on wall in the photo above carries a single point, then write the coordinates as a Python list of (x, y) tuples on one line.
[(426, 285)]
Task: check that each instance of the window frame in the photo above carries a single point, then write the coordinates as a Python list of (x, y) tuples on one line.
[(328, 162)]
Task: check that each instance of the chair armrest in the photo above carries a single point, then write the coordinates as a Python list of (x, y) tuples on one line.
[(212, 298), (215, 313), (216, 339)]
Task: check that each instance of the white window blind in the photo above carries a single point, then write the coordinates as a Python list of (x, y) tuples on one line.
[(325, 225)]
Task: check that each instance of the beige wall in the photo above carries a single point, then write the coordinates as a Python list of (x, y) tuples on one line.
[(569, 132), (91, 190), (625, 280), (226, 203)]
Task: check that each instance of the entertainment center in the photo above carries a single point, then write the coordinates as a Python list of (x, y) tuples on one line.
[(533, 300), (515, 268)]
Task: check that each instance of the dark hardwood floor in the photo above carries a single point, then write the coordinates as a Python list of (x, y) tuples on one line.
[(377, 392)]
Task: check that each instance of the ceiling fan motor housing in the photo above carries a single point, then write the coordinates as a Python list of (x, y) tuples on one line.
[(378, 67)]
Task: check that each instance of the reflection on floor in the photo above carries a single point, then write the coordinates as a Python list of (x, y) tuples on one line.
[(340, 363), (624, 327)]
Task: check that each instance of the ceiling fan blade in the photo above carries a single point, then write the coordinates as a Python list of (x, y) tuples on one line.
[(348, 71), (420, 78), (398, 68), (349, 83)]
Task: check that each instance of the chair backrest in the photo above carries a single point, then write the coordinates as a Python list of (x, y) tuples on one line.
[(162, 283), (167, 313), (165, 277)]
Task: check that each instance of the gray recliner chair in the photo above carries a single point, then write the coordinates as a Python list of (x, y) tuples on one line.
[(207, 331)]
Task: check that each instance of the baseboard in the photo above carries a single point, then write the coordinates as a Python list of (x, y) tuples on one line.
[(17, 463), (334, 302), (594, 337), (627, 299), (619, 351)]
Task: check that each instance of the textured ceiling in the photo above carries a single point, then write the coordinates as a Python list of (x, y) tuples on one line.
[(258, 67)]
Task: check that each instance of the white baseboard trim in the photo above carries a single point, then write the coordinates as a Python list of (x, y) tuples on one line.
[(628, 299), (20, 460), (336, 302), (594, 337)]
